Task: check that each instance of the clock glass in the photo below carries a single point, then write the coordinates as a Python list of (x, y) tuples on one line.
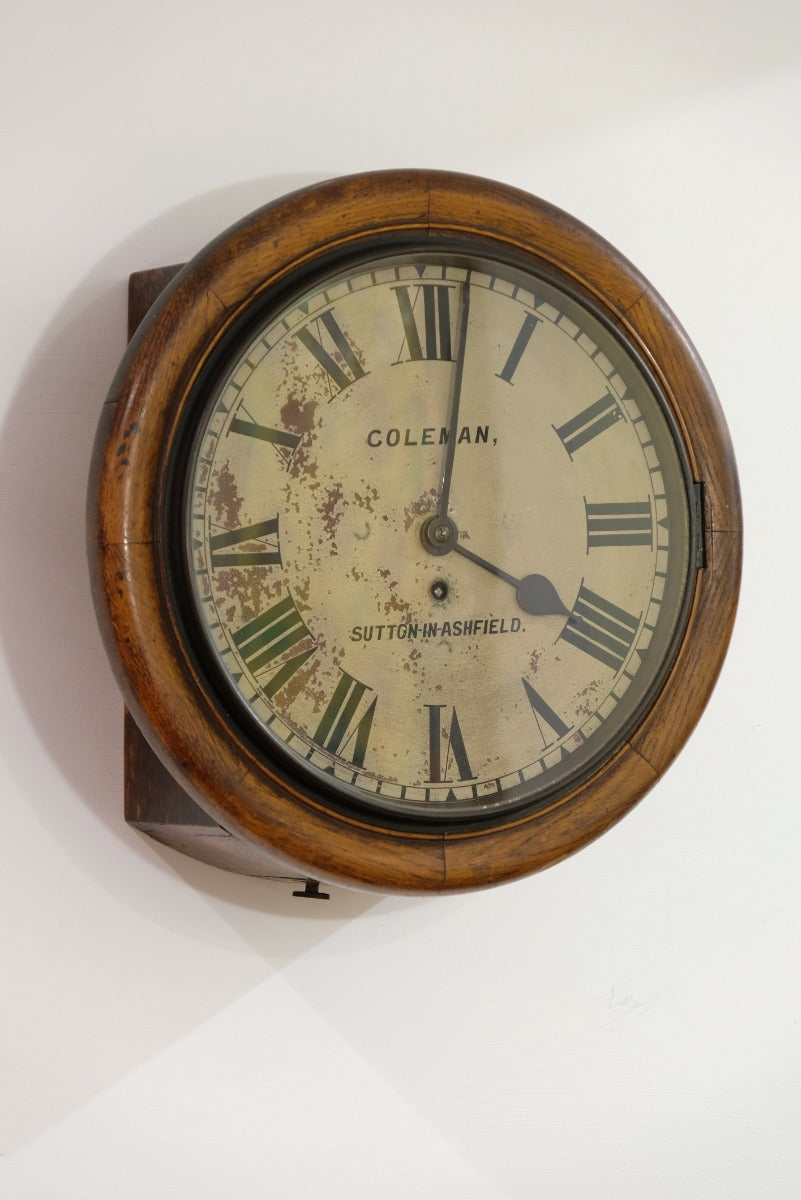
[(437, 533)]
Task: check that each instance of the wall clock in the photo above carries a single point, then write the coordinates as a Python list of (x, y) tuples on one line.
[(415, 537)]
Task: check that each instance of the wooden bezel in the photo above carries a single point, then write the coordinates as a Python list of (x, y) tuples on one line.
[(169, 698)]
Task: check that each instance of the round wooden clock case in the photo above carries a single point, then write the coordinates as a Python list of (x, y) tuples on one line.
[(415, 538)]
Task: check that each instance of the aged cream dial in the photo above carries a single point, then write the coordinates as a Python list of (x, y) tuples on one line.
[(438, 534)]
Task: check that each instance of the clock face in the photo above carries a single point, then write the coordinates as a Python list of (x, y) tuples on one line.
[(437, 535)]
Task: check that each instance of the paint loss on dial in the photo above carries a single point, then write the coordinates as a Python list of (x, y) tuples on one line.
[(417, 645)]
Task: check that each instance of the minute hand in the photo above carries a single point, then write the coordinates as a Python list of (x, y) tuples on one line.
[(535, 594), (456, 393)]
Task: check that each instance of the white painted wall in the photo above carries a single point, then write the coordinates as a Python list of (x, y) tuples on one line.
[(623, 1026)]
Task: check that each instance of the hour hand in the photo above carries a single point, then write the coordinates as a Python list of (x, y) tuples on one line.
[(535, 593)]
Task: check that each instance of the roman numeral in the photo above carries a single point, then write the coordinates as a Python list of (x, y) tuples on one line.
[(619, 524), (589, 423), (600, 629), (340, 362), (427, 333), (456, 747), (337, 729), (264, 639), (268, 555), (530, 323), (284, 443), (543, 710)]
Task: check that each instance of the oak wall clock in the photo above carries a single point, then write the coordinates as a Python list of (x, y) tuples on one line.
[(415, 537)]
